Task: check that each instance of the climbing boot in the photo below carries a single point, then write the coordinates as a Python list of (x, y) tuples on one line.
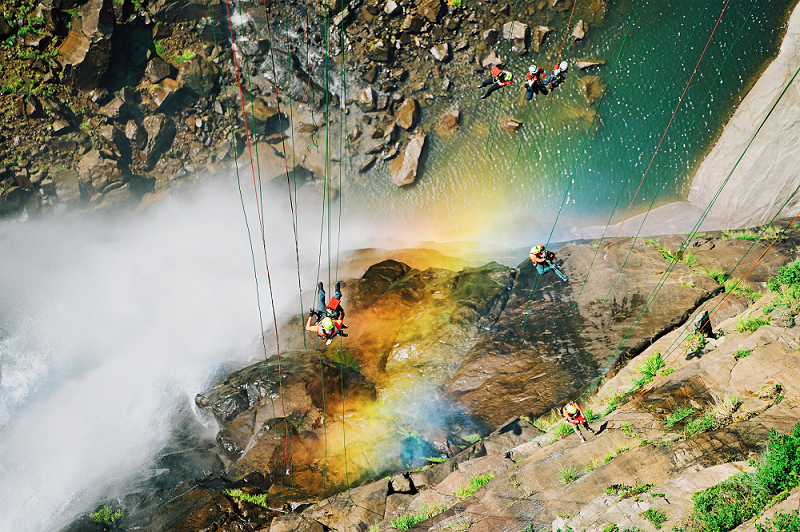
[(590, 429), (343, 334), (337, 287), (320, 288), (583, 440)]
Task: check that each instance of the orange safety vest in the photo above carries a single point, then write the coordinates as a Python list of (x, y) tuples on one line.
[(496, 72)]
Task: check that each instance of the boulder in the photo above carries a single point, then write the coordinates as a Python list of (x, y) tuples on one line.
[(491, 60), (489, 37), (157, 69), (85, 54), (449, 123), (378, 51), (431, 9), (165, 91), (580, 31), (412, 23), (367, 164), (160, 134), (99, 174), (404, 169), (135, 134), (117, 141), (258, 110), (539, 35), (6, 30), (392, 8), (67, 187), (515, 30), (592, 87), (510, 123), (198, 75), (583, 64), (113, 109), (407, 114), (441, 52), (366, 99)]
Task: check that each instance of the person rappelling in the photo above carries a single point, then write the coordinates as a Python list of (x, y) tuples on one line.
[(558, 76), (575, 417), (329, 318), (498, 80), (534, 81), (543, 260)]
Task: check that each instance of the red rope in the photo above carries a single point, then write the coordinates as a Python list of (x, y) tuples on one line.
[(605, 257), (574, 3)]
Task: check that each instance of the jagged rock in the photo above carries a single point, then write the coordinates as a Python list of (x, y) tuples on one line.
[(173, 11), (378, 51), (431, 9), (441, 52), (165, 91), (260, 112), (157, 69), (539, 35), (515, 30), (117, 140), (99, 174), (60, 127), (412, 23), (85, 54), (376, 148), (6, 30), (404, 169), (392, 8), (366, 99), (580, 31), (38, 41), (489, 37), (391, 154), (67, 187), (449, 123), (389, 135), (407, 114), (510, 123), (160, 134), (491, 60), (135, 134), (112, 109), (100, 96), (369, 162), (371, 74), (354, 134), (10, 199), (586, 63), (198, 75)]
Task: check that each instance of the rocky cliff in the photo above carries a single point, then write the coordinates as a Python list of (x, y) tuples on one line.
[(435, 358)]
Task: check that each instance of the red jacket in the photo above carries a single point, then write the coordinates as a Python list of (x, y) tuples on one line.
[(502, 77)]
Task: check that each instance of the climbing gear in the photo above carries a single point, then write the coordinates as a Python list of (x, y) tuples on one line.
[(337, 287), (326, 324), (535, 250), (320, 287), (532, 69), (571, 408), (564, 67)]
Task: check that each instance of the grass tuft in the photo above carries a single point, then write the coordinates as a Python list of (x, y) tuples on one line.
[(568, 473), (473, 485)]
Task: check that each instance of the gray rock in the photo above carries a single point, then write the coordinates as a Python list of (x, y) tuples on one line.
[(85, 54), (392, 8), (491, 60), (441, 52), (378, 51), (198, 75), (412, 23), (515, 30), (67, 187), (580, 31), (173, 11), (366, 99), (489, 37), (112, 109), (160, 134), (587, 63), (369, 162), (157, 69), (117, 140), (404, 169)]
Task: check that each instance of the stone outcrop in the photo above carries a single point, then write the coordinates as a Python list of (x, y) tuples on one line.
[(160, 134), (449, 124), (404, 168), (407, 114), (198, 75), (86, 52)]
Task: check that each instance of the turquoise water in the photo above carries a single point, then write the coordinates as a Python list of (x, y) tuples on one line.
[(471, 189)]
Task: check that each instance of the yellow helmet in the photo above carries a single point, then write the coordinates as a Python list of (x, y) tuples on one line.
[(571, 408), (326, 323), (535, 250)]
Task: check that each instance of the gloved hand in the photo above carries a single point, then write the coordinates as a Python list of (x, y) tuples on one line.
[(312, 313)]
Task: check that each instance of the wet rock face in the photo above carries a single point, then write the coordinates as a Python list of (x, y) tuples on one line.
[(86, 52), (173, 11)]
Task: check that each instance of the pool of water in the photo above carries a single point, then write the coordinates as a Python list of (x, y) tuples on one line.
[(492, 186)]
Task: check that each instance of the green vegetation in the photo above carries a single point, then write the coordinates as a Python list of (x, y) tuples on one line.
[(568, 473), (728, 504), (472, 438), (160, 48), (770, 233), (546, 422), (788, 275), (475, 483), (717, 416), (591, 466), (677, 416), (436, 459), (627, 429), (781, 522), (715, 273), (374, 527), (664, 253), (611, 528), (608, 457), (668, 371), (733, 285), (346, 359), (624, 491), (656, 517), (407, 520), (749, 324), (106, 515), (562, 430), (258, 500), (648, 368), (455, 3), (742, 353), (185, 56)]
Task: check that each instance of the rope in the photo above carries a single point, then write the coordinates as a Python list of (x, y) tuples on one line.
[(680, 100), (583, 147)]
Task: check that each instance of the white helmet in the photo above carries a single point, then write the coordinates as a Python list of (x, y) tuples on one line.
[(563, 66), (532, 69)]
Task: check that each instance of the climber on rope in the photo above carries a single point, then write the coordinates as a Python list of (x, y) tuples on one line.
[(574, 415), (543, 260), (329, 318), (558, 76), (498, 80), (534, 81)]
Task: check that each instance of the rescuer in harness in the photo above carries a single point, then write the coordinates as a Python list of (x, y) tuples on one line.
[(558, 76), (498, 80), (329, 318), (574, 415), (534, 81), (543, 260)]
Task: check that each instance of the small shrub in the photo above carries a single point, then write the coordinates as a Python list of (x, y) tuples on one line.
[(591, 466), (677, 416), (724, 407), (648, 368), (781, 522), (668, 371), (704, 423), (472, 438), (656, 517), (474, 485), (749, 324), (715, 273), (258, 500), (691, 260), (733, 285), (611, 528), (742, 353), (627, 429), (436, 459), (788, 275), (106, 515), (728, 504), (545, 422), (568, 474), (622, 449), (608, 457), (562, 430)]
